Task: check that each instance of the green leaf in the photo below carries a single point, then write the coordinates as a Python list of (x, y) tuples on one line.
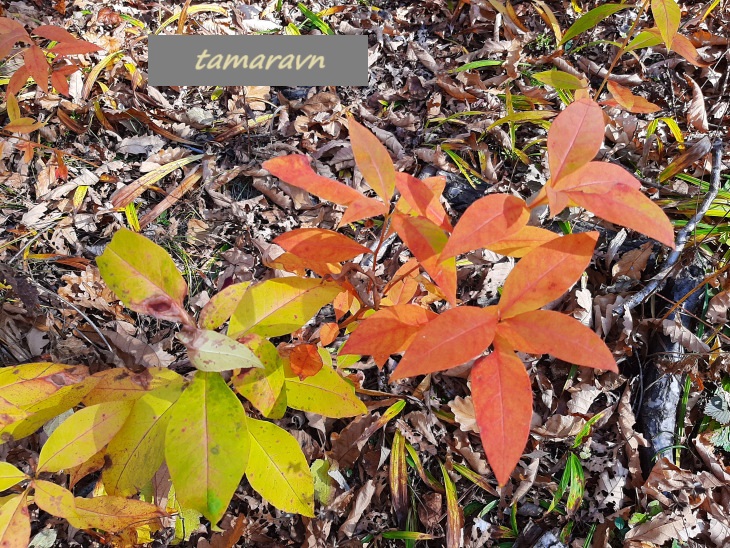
[(325, 393), (591, 19), (213, 351), (280, 306), (207, 445), (278, 470), (322, 481), (143, 276), (10, 475), (83, 435), (518, 117), (645, 39), (262, 386)]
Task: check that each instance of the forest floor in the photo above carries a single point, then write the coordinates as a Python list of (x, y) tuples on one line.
[(434, 117)]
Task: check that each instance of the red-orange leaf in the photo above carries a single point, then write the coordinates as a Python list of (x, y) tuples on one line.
[(624, 205), (454, 337), (388, 331), (320, 245), (488, 220), (53, 32), (633, 103), (422, 198), (11, 32), (372, 160), (548, 332), (295, 170), (305, 360), (77, 47), (500, 389), (545, 273), (574, 137), (426, 241), (37, 65)]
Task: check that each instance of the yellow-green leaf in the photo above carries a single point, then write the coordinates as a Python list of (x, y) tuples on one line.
[(14, 522), (280, 306), (122, 384), (41, 391), (261, 386), (560, 80), (207, 445), (325, 393), (213, 351), (278, 470), (138, 449), (220, 307), (82, 435), (10, 475), (143, 276), (667, 16)]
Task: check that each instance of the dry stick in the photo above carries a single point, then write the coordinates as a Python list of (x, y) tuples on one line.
[(658, 281)]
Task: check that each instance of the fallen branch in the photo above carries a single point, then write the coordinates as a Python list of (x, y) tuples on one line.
[(658, 281)]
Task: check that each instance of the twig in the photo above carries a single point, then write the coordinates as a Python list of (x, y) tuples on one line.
[(658, 281)]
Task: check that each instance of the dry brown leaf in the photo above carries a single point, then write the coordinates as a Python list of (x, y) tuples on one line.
[(632, 263), (362, 501)]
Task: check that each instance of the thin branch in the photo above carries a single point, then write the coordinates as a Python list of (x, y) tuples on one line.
[(658, 281)]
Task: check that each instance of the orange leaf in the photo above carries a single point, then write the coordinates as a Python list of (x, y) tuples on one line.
[(574, 137), (522, 242), (321, 245), (372, 160), (629, 101), (344, 301), (502, 395), (624, 205), (549, 332), (299, 265), (686, 49), (37, 65), (422, 198), (18, 80), (454, 337), (597, 173), (488, 220), (77, 47), (545, 273), (328, 333), (388, 331), (426, 241), (305, 360), (23, 125), (294, 169)]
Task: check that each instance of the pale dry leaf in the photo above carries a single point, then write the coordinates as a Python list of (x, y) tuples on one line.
[(633, 262), (463, 410), (680, 334), (559, 427), (362, 501), (717, 311), (665, 527), (144, 144), (696, 112)]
